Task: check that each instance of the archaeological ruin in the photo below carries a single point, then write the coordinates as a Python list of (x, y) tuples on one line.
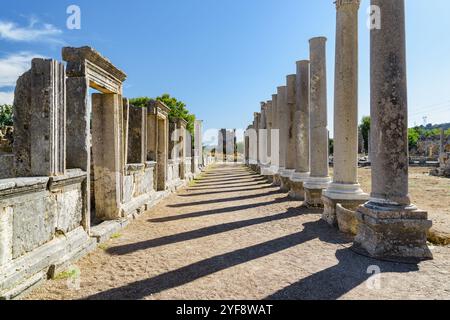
[(82, 166), (287, 207), (385, 224)]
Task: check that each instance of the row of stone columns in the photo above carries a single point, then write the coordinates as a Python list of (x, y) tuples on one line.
[(385, 224)]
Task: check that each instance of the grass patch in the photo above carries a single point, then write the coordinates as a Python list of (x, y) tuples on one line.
[(116, 236), (103, 246), (67, 275)]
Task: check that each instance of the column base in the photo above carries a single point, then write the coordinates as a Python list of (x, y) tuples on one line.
[(276, 180), (297, 191), (286, 176), (393, 232), (314, 187), (266, 170), (313, 198), (349, 196)]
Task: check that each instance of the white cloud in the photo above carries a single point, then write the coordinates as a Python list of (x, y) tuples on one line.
[(35, 31), (6, 97), (13, 66)]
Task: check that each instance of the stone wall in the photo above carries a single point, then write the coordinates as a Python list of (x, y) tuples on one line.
[(138, 187), (40, 228), (46, 219)]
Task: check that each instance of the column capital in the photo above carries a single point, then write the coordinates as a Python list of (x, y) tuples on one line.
[(347, 3)]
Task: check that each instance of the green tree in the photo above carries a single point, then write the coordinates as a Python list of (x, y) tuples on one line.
[(6, 115), (413, 137), (331, 146), (365, 129), (240, 147), (177, 108)]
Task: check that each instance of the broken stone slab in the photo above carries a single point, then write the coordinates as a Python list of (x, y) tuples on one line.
[(22, 185), (72, 176), (105, 230), (346, 219), (78, 56)]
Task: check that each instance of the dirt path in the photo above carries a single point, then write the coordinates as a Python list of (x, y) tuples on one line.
[(233, 236)]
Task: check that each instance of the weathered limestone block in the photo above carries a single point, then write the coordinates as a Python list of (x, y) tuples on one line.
[(6, 232), (393, 233), (34, 221), (128, 188), (69, 208), (346, 220), (106, 145), (22, 118), (7, 163), (78, 124), (88, 63), (40, 120), (137, 135)]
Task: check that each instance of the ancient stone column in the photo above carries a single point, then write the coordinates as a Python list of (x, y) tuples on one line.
[(275, 142), (283, 123), (269, 110), (287, 174), (345, 189), (256, 127), (319, 178), (390, 226), (263, 138), (301, 125)]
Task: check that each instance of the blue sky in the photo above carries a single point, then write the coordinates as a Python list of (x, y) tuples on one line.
[(222, 57)]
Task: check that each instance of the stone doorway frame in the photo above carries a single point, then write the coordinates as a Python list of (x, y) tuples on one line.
[(158, 140), (85, 69)]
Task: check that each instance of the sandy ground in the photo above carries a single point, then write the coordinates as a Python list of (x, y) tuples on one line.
[(233, 236)]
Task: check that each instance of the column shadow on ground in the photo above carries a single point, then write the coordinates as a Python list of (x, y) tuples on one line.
[(224, 191), (233, 199), (235, 185), (220, 183), (197, 214), (200, 180), (207, 231), (330, 283)]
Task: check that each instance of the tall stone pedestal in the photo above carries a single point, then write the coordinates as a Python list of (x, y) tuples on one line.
[(313, 191), (276, 179), (286, 176), (297, 186), (398, 233), (350, 196)]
